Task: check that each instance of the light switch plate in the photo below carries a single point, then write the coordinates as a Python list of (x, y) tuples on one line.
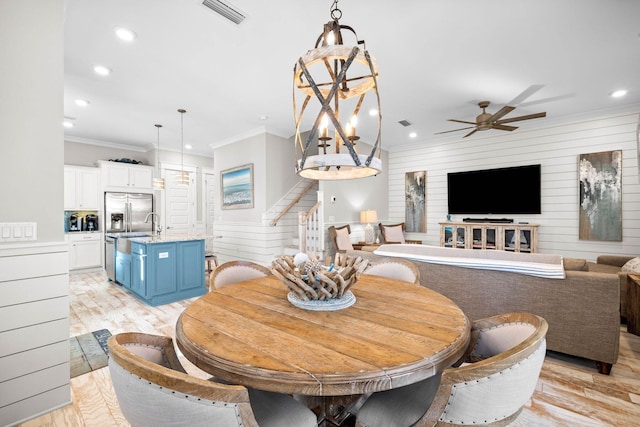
[(18, 231)]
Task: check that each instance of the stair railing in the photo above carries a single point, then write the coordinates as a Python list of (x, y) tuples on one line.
[(311, 229), (274, 222)]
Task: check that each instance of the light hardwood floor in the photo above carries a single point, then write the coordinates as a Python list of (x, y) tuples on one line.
[(570, 391)]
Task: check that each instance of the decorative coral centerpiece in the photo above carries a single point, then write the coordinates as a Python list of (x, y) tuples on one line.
[(308, 279)]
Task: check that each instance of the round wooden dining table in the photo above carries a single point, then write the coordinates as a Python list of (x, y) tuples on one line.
[(395, 334)]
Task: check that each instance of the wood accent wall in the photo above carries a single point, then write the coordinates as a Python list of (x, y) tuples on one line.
[(556, 146), (34, 330)]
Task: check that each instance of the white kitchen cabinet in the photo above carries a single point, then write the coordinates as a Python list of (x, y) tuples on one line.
[(84, 250), (126, 177), (81, 188)]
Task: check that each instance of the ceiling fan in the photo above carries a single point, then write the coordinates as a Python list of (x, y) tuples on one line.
[(487, 121)]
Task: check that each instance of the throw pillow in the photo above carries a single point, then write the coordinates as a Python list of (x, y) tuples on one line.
[(394, 234), (342, 240), (632, 266)]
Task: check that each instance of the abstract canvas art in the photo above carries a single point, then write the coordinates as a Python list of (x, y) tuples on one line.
[(600, 177), (237, 187), (415, 184)]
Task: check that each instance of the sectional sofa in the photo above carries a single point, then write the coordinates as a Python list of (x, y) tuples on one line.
[(581, 307)]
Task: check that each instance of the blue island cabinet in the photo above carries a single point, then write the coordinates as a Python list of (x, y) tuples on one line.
[(165, 272)]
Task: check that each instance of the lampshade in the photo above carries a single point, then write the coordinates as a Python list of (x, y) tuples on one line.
[(334, 82), (368, 216)]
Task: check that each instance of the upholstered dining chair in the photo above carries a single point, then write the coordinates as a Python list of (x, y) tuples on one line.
[(236, 271), (153, 390), (395, 268), (503, 363), (394, 233), (340, 238)]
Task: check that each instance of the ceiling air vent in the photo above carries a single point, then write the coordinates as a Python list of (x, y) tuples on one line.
[(405, 123), (226, 10)]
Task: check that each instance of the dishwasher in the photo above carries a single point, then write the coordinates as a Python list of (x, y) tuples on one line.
[(109, 257)]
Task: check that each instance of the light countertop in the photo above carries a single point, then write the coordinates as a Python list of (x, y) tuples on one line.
[(167, 238)]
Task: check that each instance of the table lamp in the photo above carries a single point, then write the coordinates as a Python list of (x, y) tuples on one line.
[(367, 217)]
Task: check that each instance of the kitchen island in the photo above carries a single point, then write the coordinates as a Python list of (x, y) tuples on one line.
[(163, 269)]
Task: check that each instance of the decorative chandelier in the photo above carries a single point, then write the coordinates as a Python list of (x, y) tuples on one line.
[(340, 77), (182, 177), (158, 182)]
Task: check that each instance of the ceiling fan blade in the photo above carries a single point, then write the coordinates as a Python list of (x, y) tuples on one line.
[(455, 130), (462, 121), (471, 133), (525, 94), (500, 113), (527, 117), (503, 127)]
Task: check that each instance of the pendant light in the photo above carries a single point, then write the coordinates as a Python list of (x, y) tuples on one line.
[(182, 177), (158, 182), (343, 80)]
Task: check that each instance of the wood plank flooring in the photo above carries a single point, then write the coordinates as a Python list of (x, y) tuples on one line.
[(570, 391)]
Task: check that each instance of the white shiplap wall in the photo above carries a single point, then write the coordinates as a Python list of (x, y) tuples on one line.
[(556, 147), (261, 242)]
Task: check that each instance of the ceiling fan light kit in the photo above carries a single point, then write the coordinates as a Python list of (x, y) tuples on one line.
[(342, 79), (486, 121)]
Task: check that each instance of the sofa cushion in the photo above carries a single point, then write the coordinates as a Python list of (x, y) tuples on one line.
[(602, 268), (632, 266), (575, 264)]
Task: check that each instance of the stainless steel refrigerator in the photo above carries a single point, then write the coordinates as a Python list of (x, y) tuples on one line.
[(126, 212), (124, 216)]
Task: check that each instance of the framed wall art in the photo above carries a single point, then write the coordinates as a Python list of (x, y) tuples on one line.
[(237, 187), (415, 185), (600, 180)]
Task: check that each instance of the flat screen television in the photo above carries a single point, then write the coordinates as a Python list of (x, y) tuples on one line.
[(513, 190)]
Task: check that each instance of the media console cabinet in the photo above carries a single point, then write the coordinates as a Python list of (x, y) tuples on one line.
[(490, 235)]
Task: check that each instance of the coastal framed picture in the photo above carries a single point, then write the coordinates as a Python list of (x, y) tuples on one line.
[(600, 176), (237, 187)]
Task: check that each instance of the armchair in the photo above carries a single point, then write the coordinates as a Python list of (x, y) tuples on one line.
[(505, 356), (153, 389)]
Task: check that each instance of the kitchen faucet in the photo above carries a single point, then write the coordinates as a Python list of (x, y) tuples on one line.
[(156, 223)]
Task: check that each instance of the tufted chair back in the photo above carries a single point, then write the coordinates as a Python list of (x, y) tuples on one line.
[(395, 268), (153, 390), (236, 271), (504, 360)]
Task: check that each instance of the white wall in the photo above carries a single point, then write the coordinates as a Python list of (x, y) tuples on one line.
[(556, 147), (353, 196), (31, 112)]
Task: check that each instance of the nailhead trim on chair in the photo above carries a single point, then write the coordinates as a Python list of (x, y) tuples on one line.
[(454, 386)]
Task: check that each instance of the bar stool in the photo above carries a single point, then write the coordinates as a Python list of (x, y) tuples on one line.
[(208, 259)]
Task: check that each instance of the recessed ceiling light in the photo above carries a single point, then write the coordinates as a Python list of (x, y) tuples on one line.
[(125, 34), (618, 93), (413, 135), (373, 112), (102, 70), (82, 102), (263, 118), (67, 124), (188, 146)]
